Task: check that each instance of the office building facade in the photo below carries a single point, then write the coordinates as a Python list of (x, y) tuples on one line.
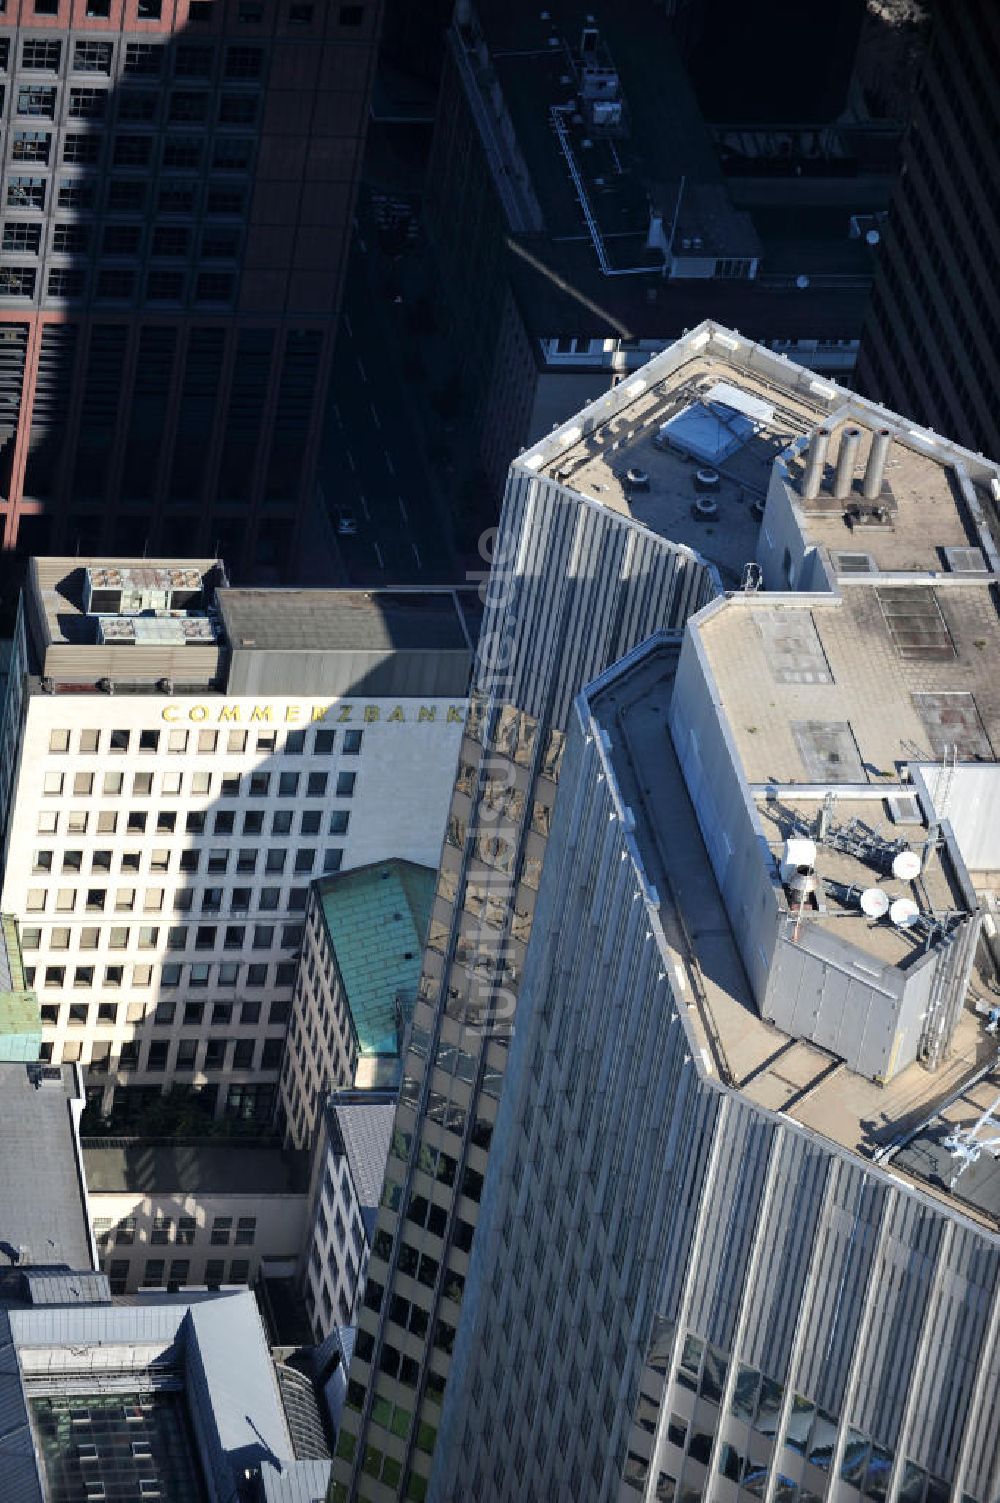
[(689, 1271), (179, 761), (932, 334), (177, 197)]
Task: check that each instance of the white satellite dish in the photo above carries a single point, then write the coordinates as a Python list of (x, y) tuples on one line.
[(800, 851), (904, 913), (906, 866), (874, 903)]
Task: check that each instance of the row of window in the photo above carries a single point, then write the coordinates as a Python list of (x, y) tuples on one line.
[(119, 286), (54, 977), (180, 1269), (215, 1055), (231, 785), (91, 743), (201, 12), (244, 1014), (141, 59), (223, 199), (212, 900), (218, 860), (168, 241)]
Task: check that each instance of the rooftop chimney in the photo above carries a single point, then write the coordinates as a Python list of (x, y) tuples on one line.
[(875, 469), (816, 463), (847, 459)]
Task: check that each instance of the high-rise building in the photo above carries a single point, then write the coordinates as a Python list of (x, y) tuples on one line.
[(356, 985), (178, 760), (721, 1247), (931, 345), (177, 196)]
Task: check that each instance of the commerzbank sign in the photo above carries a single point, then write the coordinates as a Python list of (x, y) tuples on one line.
[(228, 712)]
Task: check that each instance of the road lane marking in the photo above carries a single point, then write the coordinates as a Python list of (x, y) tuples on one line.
[(336, 416), (388, 462), (347, 326), (361, 371), (350, 459), (374, 415), (416, 555), (364, 507), (402, 508), (378, 555)]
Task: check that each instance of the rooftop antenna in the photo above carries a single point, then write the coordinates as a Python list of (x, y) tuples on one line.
[(825, 816), (752, 578), (967, 1146)]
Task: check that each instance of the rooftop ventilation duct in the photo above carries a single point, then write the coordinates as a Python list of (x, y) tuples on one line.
[(875, 469), (847, 459), (816, 463)]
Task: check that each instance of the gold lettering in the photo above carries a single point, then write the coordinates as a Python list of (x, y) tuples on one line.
[(198, 712), (397, 713), (427, 712), (170, 713), (345, 712), (261, 712), (371, 712), (456, 715), (292, 714), (319, 712), (230, 712)]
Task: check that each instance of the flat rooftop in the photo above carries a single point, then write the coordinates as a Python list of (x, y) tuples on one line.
[(210, 1168), (43, 1215), (376, 918), (372, 621), (774, 1070), (598, 461)]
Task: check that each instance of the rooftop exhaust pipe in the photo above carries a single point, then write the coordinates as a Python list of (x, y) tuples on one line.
[(816, 463), (847, 459), (875, 468)]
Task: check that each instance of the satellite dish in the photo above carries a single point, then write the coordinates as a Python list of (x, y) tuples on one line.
[(800, 851), (904, 913), (875, 903), (906, 866)]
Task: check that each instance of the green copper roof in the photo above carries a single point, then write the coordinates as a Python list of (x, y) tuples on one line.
[(20, 1015), (377, 917)]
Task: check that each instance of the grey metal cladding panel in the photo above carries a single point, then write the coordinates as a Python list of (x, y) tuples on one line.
[(788, 1245), (346, 675), (983, 1462), (848, 1241), (955, 1355), (903, 1281), (698, 1120), (733, 1228), (19, 1479)]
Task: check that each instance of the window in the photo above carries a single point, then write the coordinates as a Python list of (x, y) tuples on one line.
[(193, 61), (186, 1225), (176, 197), (179, 1270), (159, 1234), (128, 198), (40, 56), (323, 743), (288, 784), (221, 1229), (214, 287), (182, 151), (316, 785), (339, 821), (215, 1272), (152, 1277), (345, 784), (26, 192), (300, 15), (17, 281), (200, 10), (281, 822), (94, 57), (239, 1271), (188, 105), (352, 743), (333, 859), (137, 104), (246, 1231), (115, 286), (99, 9), (118, 1267), (45, 7), (125, 1232), (81, 149), (244, 62), (31, 146), (243, 1056), (149, 10), (237, 109), (144, 59), (351, 15), (232, 153), (87, 104), (229, 201), (251, 11), (70, 239), (156, 1058), (132, 150)]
